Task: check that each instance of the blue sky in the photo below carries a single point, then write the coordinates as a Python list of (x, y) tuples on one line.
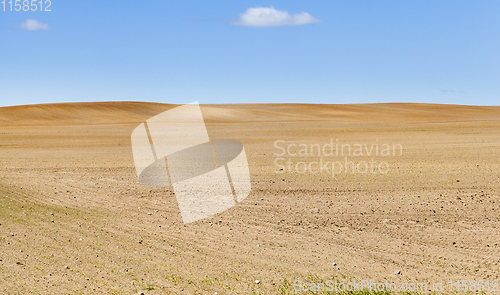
[(183, 51)]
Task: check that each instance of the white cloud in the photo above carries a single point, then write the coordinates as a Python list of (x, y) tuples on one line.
[(270, 17), (33, 25)]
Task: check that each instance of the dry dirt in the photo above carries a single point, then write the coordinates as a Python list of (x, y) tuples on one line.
[(75, 220)]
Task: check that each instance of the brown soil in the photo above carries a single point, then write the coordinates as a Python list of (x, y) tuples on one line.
[(75, 220)]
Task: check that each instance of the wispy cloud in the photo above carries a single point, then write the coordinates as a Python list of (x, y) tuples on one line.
[(33, 25), (451, 91), (270, 17)]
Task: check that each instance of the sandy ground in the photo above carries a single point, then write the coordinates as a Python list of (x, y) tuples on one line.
[(75, 220)]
